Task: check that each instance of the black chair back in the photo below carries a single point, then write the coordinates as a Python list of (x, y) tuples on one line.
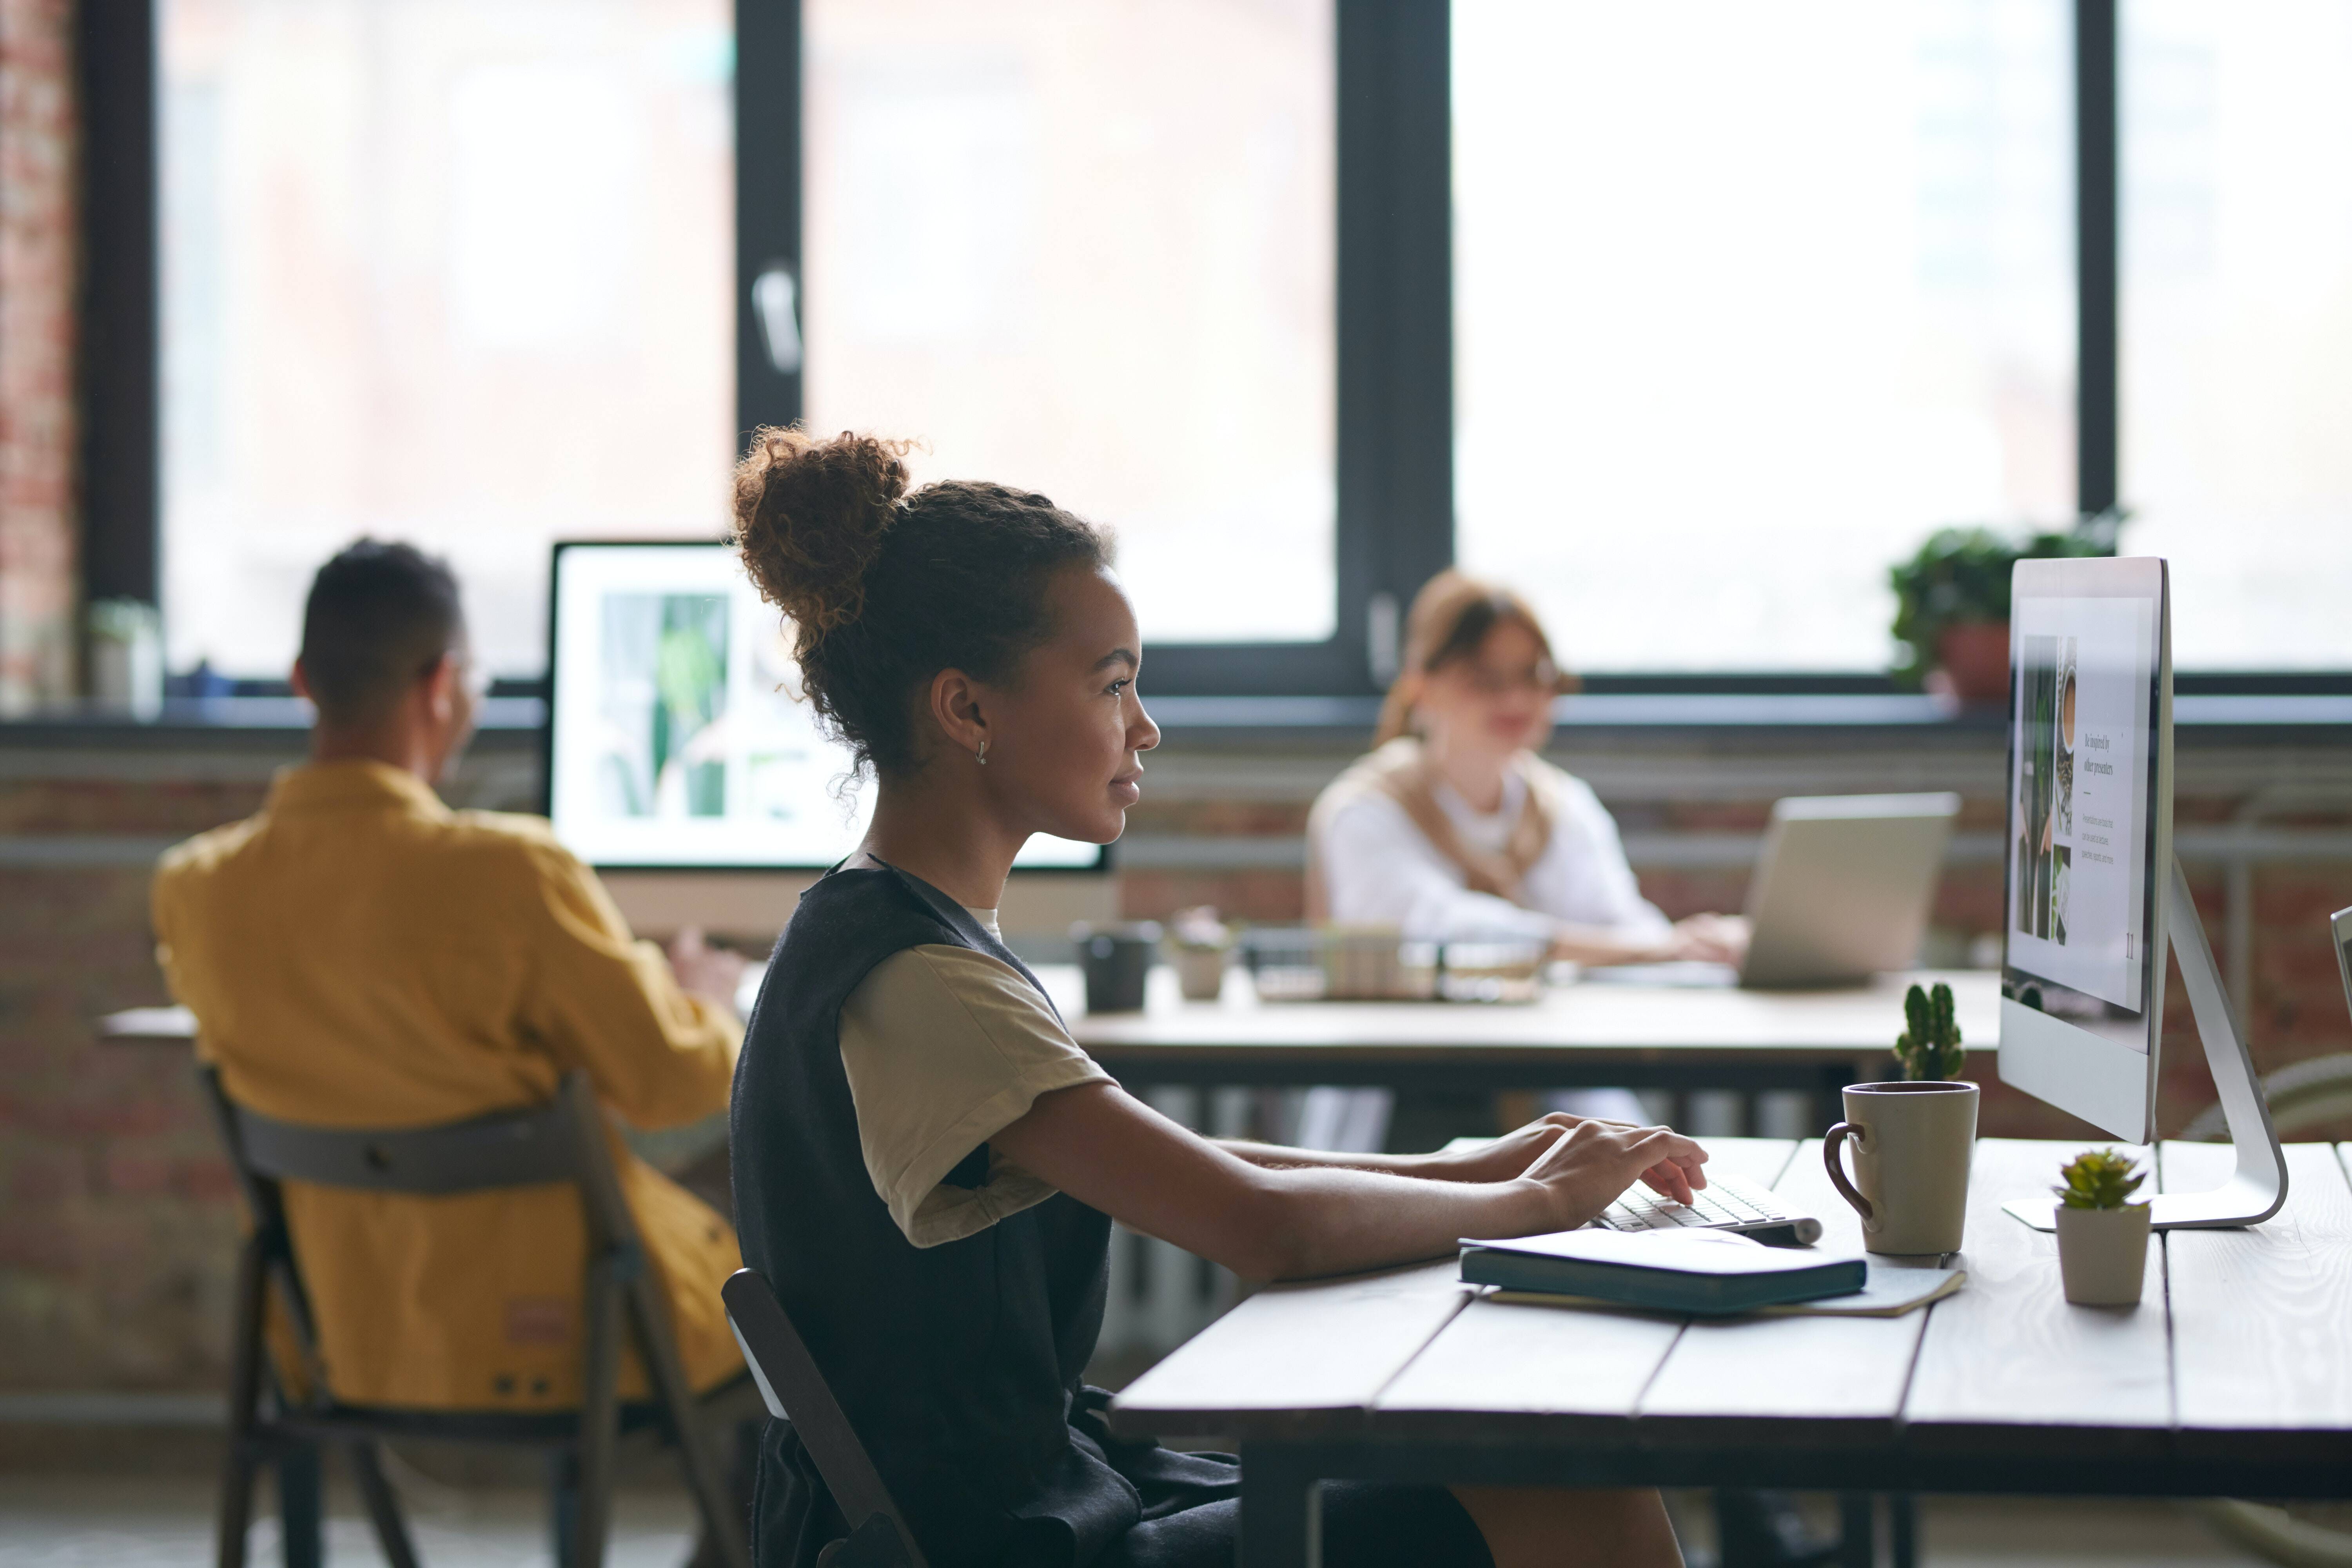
[(512, 1150), (795, 1391), (563, 1141)]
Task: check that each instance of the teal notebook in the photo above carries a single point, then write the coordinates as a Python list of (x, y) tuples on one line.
[(1704, 1272)]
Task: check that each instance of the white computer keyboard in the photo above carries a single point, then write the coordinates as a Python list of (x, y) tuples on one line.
[(1727, 1203)]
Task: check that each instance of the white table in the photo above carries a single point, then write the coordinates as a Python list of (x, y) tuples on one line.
[(1586, 1035)]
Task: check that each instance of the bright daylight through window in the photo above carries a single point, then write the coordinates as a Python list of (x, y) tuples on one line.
[(1088, 250), (455, 271), (1748, 300), (2237, 322)]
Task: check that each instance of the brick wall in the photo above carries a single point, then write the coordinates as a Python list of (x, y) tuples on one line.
[(38, 265), (117, 1214)]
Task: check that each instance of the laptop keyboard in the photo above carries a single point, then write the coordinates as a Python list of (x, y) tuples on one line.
[(1727, 1203)]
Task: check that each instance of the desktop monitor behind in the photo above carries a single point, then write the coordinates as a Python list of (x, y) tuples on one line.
[(2094, 896), (1842, 888), (676, 739)]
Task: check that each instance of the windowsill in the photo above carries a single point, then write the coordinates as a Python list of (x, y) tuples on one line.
[(513, 720)]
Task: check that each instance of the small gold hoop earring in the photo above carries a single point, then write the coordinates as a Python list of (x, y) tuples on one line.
[(982, 754)]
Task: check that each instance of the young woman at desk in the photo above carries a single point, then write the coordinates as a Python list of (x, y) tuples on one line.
[(1455, 827), (926, 1166)]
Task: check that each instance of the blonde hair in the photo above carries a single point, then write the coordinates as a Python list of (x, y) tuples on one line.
[(1449, 620)]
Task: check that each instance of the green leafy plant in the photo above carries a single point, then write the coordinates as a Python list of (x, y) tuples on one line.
[(1929, 1049), (1961, 577), (2099, 1179)]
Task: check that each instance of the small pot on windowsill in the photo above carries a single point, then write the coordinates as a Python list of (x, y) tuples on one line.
[(1972, 663), (2103, 1254)]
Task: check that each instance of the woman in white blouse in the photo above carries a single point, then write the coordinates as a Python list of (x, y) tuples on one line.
[(1455, 827)]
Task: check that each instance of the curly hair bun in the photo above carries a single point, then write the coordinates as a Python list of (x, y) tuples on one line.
[(810, 518)]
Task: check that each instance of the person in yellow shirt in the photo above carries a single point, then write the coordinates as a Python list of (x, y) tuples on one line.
[(358, 954)]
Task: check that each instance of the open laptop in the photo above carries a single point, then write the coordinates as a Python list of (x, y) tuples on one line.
[(1841, 893), (1843, 886)]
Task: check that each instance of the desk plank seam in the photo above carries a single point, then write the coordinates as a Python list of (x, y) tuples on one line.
[(1462, 1300)]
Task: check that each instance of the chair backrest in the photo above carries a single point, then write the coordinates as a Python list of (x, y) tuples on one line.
[(505, 1151), (794, 1390), (559, 1141)]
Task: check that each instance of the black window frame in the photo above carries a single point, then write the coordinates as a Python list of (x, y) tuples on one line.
[(1394, 449), (1394, 328)]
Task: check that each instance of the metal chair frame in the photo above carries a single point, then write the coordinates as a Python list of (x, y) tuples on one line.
[(790, 1382), (563, 1141)]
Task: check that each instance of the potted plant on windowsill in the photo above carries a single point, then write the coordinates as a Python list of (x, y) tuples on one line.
[(1952, 602), (2102, 1234)]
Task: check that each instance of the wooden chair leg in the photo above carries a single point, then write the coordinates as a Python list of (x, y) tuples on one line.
[(722, 1521), (242, 1461), (564, 1504), (382, 1506), (600, 1415), (236, 1510), (302, 1520)]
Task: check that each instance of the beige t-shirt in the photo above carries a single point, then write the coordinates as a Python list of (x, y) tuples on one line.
[(944, 1047)]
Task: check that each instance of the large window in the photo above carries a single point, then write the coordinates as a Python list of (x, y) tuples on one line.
[(1690, 322), (1748, 299), (2236, 395), (455, 271), (1087, 249)]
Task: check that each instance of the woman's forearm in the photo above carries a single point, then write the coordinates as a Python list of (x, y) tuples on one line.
[(1313, 1220), (1278, 1157), (1598, 945)]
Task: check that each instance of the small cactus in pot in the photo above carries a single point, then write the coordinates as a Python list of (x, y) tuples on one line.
[(2102, 1234), (1930, 1049)]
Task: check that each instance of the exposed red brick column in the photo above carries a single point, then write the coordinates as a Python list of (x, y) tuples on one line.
[(40, 151)]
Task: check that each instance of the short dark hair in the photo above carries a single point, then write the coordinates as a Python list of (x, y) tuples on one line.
[(887, 587), (379, 616)]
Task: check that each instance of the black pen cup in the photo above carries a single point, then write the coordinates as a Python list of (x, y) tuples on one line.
[(1116, 957)]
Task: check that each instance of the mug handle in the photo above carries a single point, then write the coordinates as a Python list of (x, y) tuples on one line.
[(1831, 1143)]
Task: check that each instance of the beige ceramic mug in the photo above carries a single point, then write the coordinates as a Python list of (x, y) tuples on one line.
[(1911, 1147)]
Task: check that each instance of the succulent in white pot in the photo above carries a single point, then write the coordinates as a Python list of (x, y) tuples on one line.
[(1201, 945), (2102, 1234)]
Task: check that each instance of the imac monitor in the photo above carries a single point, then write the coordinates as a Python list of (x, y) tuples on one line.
[(677, 737), (2095, 900), (2089, 837)]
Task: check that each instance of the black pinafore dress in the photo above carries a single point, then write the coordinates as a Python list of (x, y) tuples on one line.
[(958, 1365)]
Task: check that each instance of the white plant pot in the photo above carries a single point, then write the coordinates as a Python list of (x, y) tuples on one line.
[(2103, 1254), (1200, 973)]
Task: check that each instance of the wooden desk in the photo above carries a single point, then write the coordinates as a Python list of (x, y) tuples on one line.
[(2232, 1377), (1587, 1034)]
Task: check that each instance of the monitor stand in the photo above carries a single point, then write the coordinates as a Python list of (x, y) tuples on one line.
[(2257, 1189)]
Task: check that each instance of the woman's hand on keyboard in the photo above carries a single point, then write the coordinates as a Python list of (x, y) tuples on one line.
[(1590, 1164), (1504, 1158)]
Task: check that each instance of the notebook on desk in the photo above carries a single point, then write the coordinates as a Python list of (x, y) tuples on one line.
[(1704, 1272)]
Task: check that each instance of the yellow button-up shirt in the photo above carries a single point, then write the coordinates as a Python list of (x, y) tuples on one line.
[(359, 956)]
